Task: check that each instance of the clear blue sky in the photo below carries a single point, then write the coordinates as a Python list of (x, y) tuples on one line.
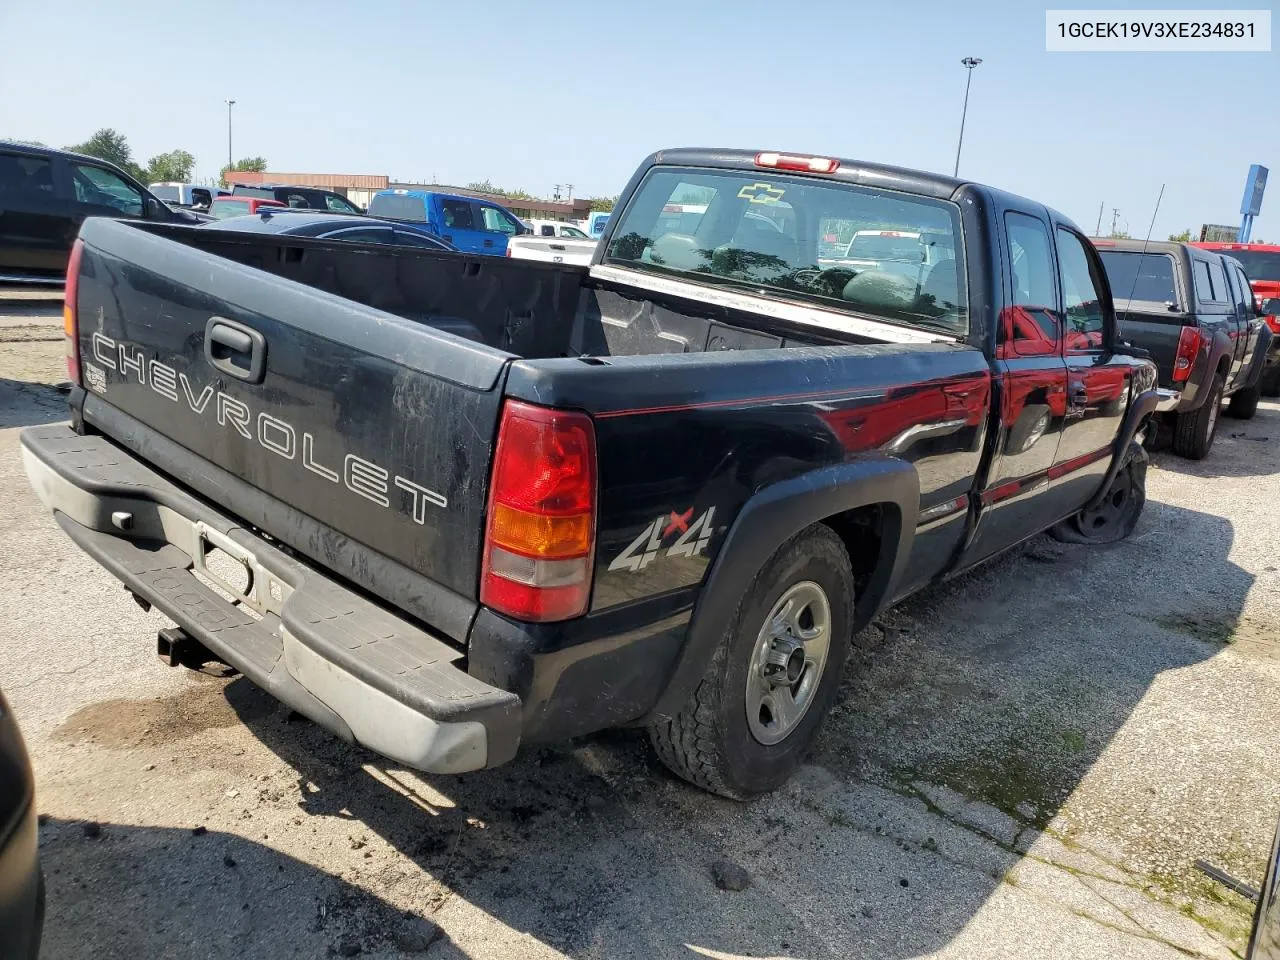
[(531, 94)]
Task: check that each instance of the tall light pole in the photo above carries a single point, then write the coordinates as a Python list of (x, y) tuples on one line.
[(230, 104), (969, 64)]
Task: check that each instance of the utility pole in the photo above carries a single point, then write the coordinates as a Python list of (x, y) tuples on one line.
[(230, 104), (1097, 231), (1115, 214), (569, 189), (969, 64)]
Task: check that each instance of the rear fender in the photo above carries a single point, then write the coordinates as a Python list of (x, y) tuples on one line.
[(773, 516)]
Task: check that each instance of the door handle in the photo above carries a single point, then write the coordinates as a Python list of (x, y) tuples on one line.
[(488, 243), (235, 349)]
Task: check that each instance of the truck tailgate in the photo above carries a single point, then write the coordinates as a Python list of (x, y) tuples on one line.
[(236, 381)]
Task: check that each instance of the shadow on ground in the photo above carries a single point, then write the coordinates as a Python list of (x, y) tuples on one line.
[(964, 725), (24, 403), (118, 892)]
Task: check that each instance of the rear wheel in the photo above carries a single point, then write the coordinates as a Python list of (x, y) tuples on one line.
[(1244, 404), (1270, 383), (1116, 514), (747, 725), (1193, 432)]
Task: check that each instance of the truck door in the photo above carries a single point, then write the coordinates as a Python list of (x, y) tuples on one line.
[(1236, 326), (499, 227), (1031, 390), (1246, 314), (1097, 382), (458, 223), (35, 229)]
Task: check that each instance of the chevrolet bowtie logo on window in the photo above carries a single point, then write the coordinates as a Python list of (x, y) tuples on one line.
[(760, 193)]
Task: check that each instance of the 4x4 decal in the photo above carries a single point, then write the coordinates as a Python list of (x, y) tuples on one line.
[(644, 549)]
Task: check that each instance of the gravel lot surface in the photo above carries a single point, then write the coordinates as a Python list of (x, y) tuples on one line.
[(1025, 763)]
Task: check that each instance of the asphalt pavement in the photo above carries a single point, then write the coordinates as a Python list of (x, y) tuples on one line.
[(1024, 763)]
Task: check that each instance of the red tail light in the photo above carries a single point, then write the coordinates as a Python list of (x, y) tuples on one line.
[(1188, 347), (70, 318), (542, 506), (1274, 323)]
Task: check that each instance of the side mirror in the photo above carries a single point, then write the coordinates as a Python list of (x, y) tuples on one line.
[(1270, 308), (151, 208)]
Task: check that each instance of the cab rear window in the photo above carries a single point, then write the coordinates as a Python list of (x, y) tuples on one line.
[(398, 207), (1135, 275), (878, 253)]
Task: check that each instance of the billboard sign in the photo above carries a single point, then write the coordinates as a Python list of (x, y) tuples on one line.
[(1251, 205)]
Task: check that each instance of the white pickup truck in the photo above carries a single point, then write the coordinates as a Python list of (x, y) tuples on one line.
[(552, 249)]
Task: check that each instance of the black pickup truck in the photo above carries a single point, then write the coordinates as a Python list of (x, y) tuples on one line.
[(460, 503), (1194, 312)]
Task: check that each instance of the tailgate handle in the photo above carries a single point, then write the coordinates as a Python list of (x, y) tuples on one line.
[(237, 350)]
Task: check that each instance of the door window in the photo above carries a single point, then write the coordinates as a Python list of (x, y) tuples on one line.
[(1244, 293), (547, 230), (498, 222), (411, 238), (338, 204), (1032, 325), (99, 187), (457, 214), (25, 176), (297, 201), (1081, 295)]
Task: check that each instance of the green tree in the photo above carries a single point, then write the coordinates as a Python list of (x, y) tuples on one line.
[(483, 186), (1183, 237), (110, 145), (693, 195), (175, 165), (247, 165), (1119, 235), (605, 204)]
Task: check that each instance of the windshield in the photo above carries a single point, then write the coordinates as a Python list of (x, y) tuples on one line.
[(1137, 276), (764, 232), (1258, 264)]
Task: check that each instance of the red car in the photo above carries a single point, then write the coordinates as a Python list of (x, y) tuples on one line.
[(1261, 262), (225, 207)]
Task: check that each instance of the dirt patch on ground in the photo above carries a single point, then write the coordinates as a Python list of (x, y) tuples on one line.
[(124, 724)]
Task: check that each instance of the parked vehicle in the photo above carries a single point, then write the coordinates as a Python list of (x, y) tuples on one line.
[(1261, 262), (1264, 938), (471, 225), (1192, 310), (224, 208), (555, 228), (481, 504), (45, 195), (305, 198), (187, 195), (21, 883), (288, 222), (552, 250), (595, 223)]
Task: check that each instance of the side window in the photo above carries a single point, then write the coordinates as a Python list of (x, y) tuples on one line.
[(1220, 291), (498, 222), (457, 214), (297, 200), (411, 238), (1032, 325), (1204, 286), (547, 230), (1081, 296), (338, 205), (21, 175), (1245, 293), (100, 187), (363, 235)]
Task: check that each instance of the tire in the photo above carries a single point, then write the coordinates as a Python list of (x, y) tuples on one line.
[(1194, 431), (711, 740), (1270, 383), (1244, 404), (1117, 514)]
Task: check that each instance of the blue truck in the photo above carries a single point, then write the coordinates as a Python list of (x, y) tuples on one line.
[(470, 224)]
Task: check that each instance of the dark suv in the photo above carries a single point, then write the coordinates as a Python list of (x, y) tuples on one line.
[(306, 198), (46, 194)]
